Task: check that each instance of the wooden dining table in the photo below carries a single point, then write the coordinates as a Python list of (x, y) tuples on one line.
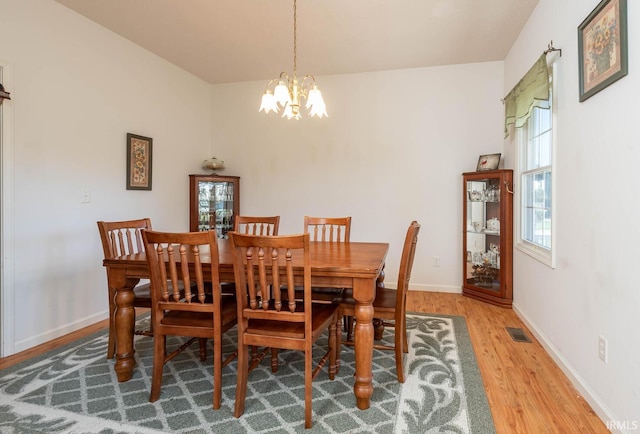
[(356, 265)]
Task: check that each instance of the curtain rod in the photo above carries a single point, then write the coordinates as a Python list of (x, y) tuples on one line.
[(551, 48)]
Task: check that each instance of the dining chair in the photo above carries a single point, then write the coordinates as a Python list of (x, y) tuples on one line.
[(198, 311), (256, 225), (268, 313), (124, 238), (390, 305), (327, 230)]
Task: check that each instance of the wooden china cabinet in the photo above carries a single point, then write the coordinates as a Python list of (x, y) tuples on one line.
[(488, 236), (214, 201)]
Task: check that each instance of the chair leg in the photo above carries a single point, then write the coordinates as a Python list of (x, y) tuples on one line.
[(274, 360), (254, 354), (334, 330), (203, 349), (217, 368), (339, 339), (404, 333), (111, 346), (399, 340), (308, 391), (241, 379), (159, 351), (350, 328)]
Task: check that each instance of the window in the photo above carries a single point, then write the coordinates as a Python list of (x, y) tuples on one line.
[(535, 209)]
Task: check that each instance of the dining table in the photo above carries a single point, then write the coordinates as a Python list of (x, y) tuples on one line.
[(355, 265)]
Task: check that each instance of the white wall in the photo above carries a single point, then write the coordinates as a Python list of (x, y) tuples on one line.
[(77, 89), (594, 289), (392, 150)]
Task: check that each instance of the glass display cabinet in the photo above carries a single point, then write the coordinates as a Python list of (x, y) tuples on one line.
[(488, 236), (214, 201)]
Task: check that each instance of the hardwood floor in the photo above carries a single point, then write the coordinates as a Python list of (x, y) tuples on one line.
[(527, 392)]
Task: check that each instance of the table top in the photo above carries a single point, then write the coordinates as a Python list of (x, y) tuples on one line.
[(352, 258)]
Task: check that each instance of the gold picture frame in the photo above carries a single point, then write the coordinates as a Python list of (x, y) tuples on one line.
[(602, 47), (139, 162)]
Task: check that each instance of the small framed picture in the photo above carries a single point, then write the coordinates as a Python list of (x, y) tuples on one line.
[(488, 162), (139, 153), (602, 47)]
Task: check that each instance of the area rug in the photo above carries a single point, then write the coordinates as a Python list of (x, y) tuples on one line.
[(73, 389)]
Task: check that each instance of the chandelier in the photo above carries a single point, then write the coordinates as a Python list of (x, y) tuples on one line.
[(289, 92)]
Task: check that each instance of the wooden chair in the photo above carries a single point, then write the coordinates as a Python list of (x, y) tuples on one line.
[(195, 313), (390, 305), (124, 238), (268, 313), (327, 230), (256, 225)]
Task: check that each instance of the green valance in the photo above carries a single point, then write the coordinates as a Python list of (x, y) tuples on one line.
[(531, 91)]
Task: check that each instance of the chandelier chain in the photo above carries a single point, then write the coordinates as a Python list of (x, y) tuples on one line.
[(295, 47)]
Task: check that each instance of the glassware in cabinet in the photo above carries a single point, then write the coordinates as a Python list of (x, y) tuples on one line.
[(214, 201)]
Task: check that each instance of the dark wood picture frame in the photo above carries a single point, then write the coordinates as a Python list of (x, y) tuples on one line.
[(139, 162), (488, 162), (602, 47)]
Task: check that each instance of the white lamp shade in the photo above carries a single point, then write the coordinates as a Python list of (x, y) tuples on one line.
[(268, 103), (314, 95), (319, 110), (281, 94)]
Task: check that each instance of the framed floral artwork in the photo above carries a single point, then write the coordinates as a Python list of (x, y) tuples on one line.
[(602, 47), (139, 153)]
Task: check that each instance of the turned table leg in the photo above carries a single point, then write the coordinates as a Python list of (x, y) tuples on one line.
[(364, 293), (124, 322)]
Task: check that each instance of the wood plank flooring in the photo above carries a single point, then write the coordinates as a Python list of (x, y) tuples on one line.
[(527, 392)]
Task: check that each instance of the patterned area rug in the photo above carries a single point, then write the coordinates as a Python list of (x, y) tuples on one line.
[(74, 389)]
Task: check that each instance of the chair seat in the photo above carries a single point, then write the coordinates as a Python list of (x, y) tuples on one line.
[(385, 298), (321, 313), (200, 319), (142, 295), (322, 295)]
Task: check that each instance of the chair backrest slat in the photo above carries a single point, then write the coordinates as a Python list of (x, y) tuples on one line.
[(257, 225), (328, 229)]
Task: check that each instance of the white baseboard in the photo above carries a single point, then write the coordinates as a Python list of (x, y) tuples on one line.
[(578, 382), (32, 341), (428, 288)]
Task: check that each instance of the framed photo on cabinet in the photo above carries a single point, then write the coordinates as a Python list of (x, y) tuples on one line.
[(602, 47), (139, 162), (488, 162)]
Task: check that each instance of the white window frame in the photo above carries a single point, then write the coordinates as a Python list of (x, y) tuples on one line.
[(542, 254), (7, 312)]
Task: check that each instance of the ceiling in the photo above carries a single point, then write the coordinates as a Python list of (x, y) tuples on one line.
[(224, 41)]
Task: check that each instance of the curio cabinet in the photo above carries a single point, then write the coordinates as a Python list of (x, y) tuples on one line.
[(488, 236), (214, 201)]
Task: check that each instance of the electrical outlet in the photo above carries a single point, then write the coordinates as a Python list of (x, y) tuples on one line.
[(436, 261), (86, 196), (602, 349)]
